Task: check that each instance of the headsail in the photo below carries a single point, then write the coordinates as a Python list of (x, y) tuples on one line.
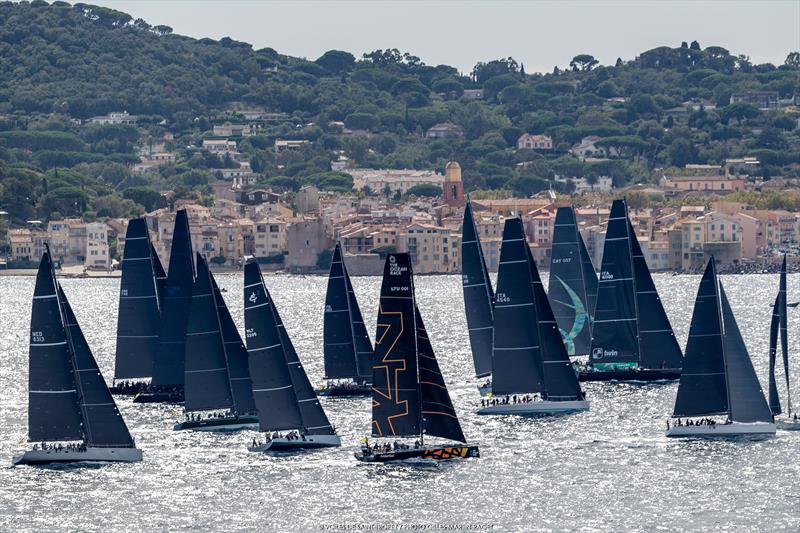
[(567, 288), (516, 361), (339, 347), (161, 276), (774, 398), (395, 387), (103, 426), (589, 277), (53, 407), (273, 391), (560, 380), (207, 384), (703, 388), (783, 331), (138, 318), (478, 295), (615, 335), (169, 367), (365, 353), (745, 396), (439, 417), (657, 343)]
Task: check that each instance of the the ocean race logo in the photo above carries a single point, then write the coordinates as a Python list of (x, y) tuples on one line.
[(394, 268)]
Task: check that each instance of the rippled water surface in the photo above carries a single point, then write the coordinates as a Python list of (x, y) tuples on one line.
[(610, 468)]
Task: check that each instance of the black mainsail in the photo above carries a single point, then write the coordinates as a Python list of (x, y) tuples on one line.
[(169, 367), (138, 320), (103, 425), (347, 348), (774, 398), (718, 375), (158, 270), (570, 284), (207, 383), (478, 295), (516, 359), (658, 346), (560, 380), (236, 357)]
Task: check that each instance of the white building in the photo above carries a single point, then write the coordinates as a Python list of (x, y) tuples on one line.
[(603, 184), (97, 254), (396, 180)]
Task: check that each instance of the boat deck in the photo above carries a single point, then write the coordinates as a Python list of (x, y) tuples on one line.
[(431, 453)]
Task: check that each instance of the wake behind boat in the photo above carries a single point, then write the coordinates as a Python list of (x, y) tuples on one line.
[(409, 395), (532, 373), (289, 411), (718, 376), (212, 363), (348, 351), (71, 414)]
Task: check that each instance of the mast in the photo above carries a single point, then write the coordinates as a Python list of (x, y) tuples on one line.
[(478, 295), (273, 390), (139, 307), (169, 364), (784, 334)]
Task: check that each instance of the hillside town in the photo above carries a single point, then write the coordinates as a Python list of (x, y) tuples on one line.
[(295, 233)]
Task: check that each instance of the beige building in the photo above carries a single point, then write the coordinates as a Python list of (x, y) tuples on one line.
[(395, 180), (306, 238), (432, 248), (270, 237), (27, 244)]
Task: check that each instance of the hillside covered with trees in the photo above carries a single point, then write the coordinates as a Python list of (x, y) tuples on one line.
[(61, 64)]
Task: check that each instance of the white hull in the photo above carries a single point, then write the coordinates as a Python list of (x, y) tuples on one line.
[(787, 424), (736, 429), (116, 455), (225, 427), (284, 444), (536, 408)]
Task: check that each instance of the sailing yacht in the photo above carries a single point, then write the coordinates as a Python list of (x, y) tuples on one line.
[(209, 386), (572, 289), (779, 324), (168, 362), (532, 373), (409, 395), (68, 399), (478, 300), (632, 339), (347, 349), (289, 411), (138, 320), (718, 376)]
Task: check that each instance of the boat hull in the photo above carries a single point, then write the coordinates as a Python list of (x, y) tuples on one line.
[(432, 453), (787, 424), (280, 444), (536, 408), (737, 429), (342, 391), (640, 375), (159, 397), (105, 455), (219, 424)]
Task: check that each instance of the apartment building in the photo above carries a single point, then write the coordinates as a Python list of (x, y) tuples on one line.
[(269, 237), (432, 248)]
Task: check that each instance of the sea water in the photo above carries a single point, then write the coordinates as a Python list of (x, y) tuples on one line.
[(610, 468)]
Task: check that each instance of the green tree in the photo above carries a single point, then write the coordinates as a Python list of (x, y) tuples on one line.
[(336, 61)]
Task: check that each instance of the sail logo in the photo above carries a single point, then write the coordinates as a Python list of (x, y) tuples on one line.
[(501, 298), (394, 268), (328, 308), (605, 275), (253, 297), (599, 353)]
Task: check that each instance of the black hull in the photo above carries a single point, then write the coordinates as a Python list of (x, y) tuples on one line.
[(641, 375), (157, 396), (346, 391), (131, 389), (434, 453)]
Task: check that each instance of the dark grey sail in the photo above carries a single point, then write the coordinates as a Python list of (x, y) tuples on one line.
[(516, 360), (339, 348), (774, 398), (657, 343), (103, 425), (207, 384), (560, 381), (615, 336), (158, 269), (567, 287), (439, 417), (745, 395), (168, 367), (589, 277), (236, 356), (395, 387), (315, 421), (273, 392), (703, 388), (783, 326), (478, 295), (138, 319), (53, 408), (365, 352)]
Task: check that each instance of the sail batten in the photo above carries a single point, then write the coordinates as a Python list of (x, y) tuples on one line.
[(478, 295)]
